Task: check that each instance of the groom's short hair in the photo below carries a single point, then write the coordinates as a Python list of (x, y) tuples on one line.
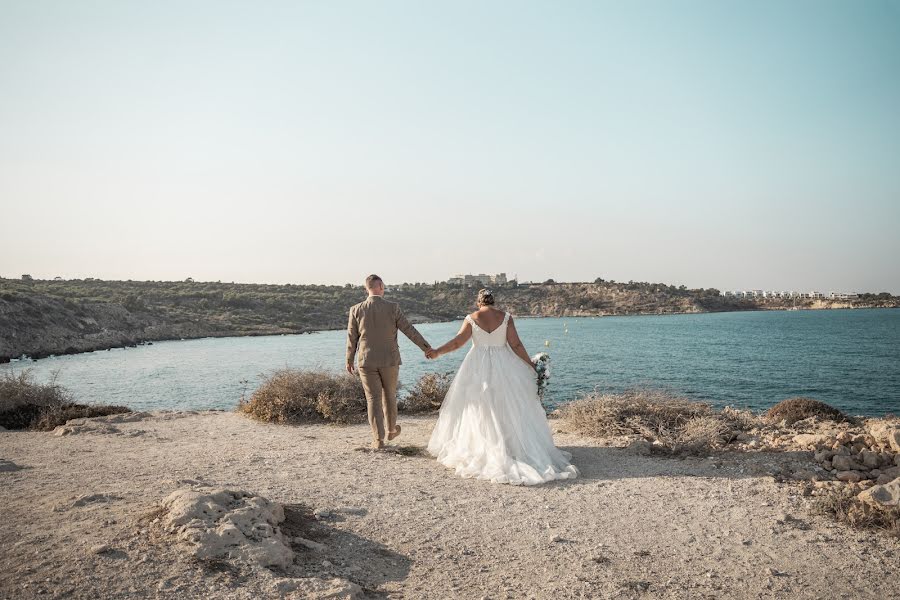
[(371, 280)]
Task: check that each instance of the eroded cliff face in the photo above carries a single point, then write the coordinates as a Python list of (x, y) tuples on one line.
[(41, 318), (42, 325)]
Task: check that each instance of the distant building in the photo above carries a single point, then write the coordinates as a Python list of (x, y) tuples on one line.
[(842, 296), (470, 280)]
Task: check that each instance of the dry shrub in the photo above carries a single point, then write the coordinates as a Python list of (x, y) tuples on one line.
[(25, 404), (796, 409), (54, 416), (676, 424), (842, 505), (428, 393), (293, 396)]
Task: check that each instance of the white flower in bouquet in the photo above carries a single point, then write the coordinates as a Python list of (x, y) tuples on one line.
[(541, 362)]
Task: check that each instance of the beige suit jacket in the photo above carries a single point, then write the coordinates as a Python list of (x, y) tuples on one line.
[(372, 333)]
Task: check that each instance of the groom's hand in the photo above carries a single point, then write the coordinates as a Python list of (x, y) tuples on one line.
[(350, 368)]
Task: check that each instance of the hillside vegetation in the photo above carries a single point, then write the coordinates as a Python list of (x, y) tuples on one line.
[(43, 317)]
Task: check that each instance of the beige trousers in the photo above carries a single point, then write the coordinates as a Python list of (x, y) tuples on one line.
[(381, 396)]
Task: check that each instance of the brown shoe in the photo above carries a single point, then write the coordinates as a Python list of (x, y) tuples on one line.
[(394, 433), (377, 444)]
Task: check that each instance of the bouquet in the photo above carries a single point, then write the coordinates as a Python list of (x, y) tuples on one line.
[(541, 362)]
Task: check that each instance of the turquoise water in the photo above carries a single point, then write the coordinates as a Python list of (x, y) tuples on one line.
[(848, 358)]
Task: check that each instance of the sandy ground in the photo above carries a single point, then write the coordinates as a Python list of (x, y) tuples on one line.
[(78, 513)]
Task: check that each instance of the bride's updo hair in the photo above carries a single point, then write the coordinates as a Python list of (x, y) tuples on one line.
[(485, 297)]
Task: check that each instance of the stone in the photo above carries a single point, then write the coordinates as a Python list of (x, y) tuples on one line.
[(227, 524), (2, 428), (100, 548), (823, 455), (897, 460), (882, 479), (882, 496), (314, 546), (849, 476), (313, 588), (886, 433), (869, 459), (806, 440), (845, 463), (892, 472)]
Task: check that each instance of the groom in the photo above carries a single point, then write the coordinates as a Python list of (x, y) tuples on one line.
[(372, 329)]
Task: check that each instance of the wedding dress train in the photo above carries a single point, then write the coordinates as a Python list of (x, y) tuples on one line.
[(491, 424)]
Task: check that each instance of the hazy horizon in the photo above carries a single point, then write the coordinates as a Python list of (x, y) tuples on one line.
[(709, 144)]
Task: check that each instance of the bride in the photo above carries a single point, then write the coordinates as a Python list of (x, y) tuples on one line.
[(492, 425)]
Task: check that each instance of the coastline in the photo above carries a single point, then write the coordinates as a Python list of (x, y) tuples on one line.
[(84, 519), (133, 343)]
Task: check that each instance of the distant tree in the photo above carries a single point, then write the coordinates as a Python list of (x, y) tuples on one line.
[(599, 280), (189, 280), (549, 282), (27, 278)]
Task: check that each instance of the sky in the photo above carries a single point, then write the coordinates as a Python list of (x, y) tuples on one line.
[(737, 145)]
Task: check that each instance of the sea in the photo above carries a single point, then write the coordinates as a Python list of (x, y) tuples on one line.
[(847, 358)]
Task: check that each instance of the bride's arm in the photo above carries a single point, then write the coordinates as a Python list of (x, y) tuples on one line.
[(465, 332), (512, 338)]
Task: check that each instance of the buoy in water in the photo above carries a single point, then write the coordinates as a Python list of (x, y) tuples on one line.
[(547, 343)]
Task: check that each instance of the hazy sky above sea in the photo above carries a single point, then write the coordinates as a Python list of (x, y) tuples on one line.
[(712, 144)]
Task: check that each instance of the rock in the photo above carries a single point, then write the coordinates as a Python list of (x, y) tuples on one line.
[(845, 463), (823, 455), (882, 479), (892, 472), (323, 514), (228, 525), (869, 459), (100, 548), (313, 588), (886, 433), (897, 460), (882, 496), (805, 440), (849, 476), (314, 546), (2, 428)]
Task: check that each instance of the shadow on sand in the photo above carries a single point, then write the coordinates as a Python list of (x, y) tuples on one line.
[(357, 559), (608, 463)]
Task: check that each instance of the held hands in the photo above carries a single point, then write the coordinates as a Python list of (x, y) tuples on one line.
[(431, 354)]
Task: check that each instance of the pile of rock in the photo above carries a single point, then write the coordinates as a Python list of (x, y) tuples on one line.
[(245, 529), (855, 453), (228, 525)]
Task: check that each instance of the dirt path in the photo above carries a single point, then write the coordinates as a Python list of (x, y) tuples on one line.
[(75, 519)]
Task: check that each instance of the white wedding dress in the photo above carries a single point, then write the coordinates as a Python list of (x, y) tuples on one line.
[(492, 425)]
